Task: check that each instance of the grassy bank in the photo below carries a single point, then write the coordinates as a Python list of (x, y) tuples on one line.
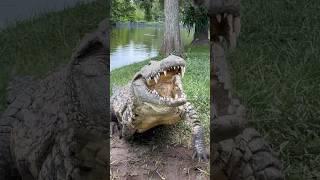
[(275, 71), (196, 84), (35, 46)]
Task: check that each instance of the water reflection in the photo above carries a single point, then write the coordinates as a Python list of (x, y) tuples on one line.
[(132, 43)]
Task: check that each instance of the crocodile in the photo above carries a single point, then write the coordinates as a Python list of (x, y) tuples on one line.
[(237, 151), (56, 128), (155, 97)]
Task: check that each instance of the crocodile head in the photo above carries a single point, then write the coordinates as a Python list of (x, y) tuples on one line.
[(159, 82)]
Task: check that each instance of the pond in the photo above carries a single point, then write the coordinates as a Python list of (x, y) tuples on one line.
[(134, 42)]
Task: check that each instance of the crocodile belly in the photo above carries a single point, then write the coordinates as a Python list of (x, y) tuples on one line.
[(147, 122)]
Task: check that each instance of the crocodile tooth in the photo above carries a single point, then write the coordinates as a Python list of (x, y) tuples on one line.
[(155, 79), (176, 96), (165, 73), (174, 68)]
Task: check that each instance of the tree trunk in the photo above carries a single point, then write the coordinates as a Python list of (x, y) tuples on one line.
[(172, 40), (200, 35)]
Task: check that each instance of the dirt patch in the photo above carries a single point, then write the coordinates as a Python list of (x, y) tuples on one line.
[(143, 158)]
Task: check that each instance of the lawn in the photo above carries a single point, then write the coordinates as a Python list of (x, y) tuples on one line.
[(275, 71), (35, 46), (196, 84)]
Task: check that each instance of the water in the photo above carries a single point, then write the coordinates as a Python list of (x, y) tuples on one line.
[(138, 42)]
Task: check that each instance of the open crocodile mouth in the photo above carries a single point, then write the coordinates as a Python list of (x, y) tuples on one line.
[(167, 83)]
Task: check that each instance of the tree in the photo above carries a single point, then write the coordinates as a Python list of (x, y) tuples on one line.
[(157, 10), (172, 40), (196, 17), (122, 10)]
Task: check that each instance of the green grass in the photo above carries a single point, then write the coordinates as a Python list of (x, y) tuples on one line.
[(196, 84), (35, 46), (275, 71)]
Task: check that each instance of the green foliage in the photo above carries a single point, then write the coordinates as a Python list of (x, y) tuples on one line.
[(137, 10), (157, 10), (194, 16), (122, 10), (153, 9), (147, 6), (139, 15)]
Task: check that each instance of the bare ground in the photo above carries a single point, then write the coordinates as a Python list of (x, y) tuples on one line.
[(143, 157)]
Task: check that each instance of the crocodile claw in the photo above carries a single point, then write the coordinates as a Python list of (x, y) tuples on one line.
[(200, 156)]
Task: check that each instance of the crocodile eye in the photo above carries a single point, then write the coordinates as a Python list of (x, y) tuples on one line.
[(149, 63)]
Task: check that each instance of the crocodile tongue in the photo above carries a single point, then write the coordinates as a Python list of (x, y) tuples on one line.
[(178, 97)]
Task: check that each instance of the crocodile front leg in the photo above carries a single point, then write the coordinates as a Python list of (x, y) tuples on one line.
[(122, 123), (122, 114), (127, 127), (191, 117)]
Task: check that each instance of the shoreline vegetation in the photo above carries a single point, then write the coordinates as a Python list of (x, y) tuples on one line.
[(144, 23)]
